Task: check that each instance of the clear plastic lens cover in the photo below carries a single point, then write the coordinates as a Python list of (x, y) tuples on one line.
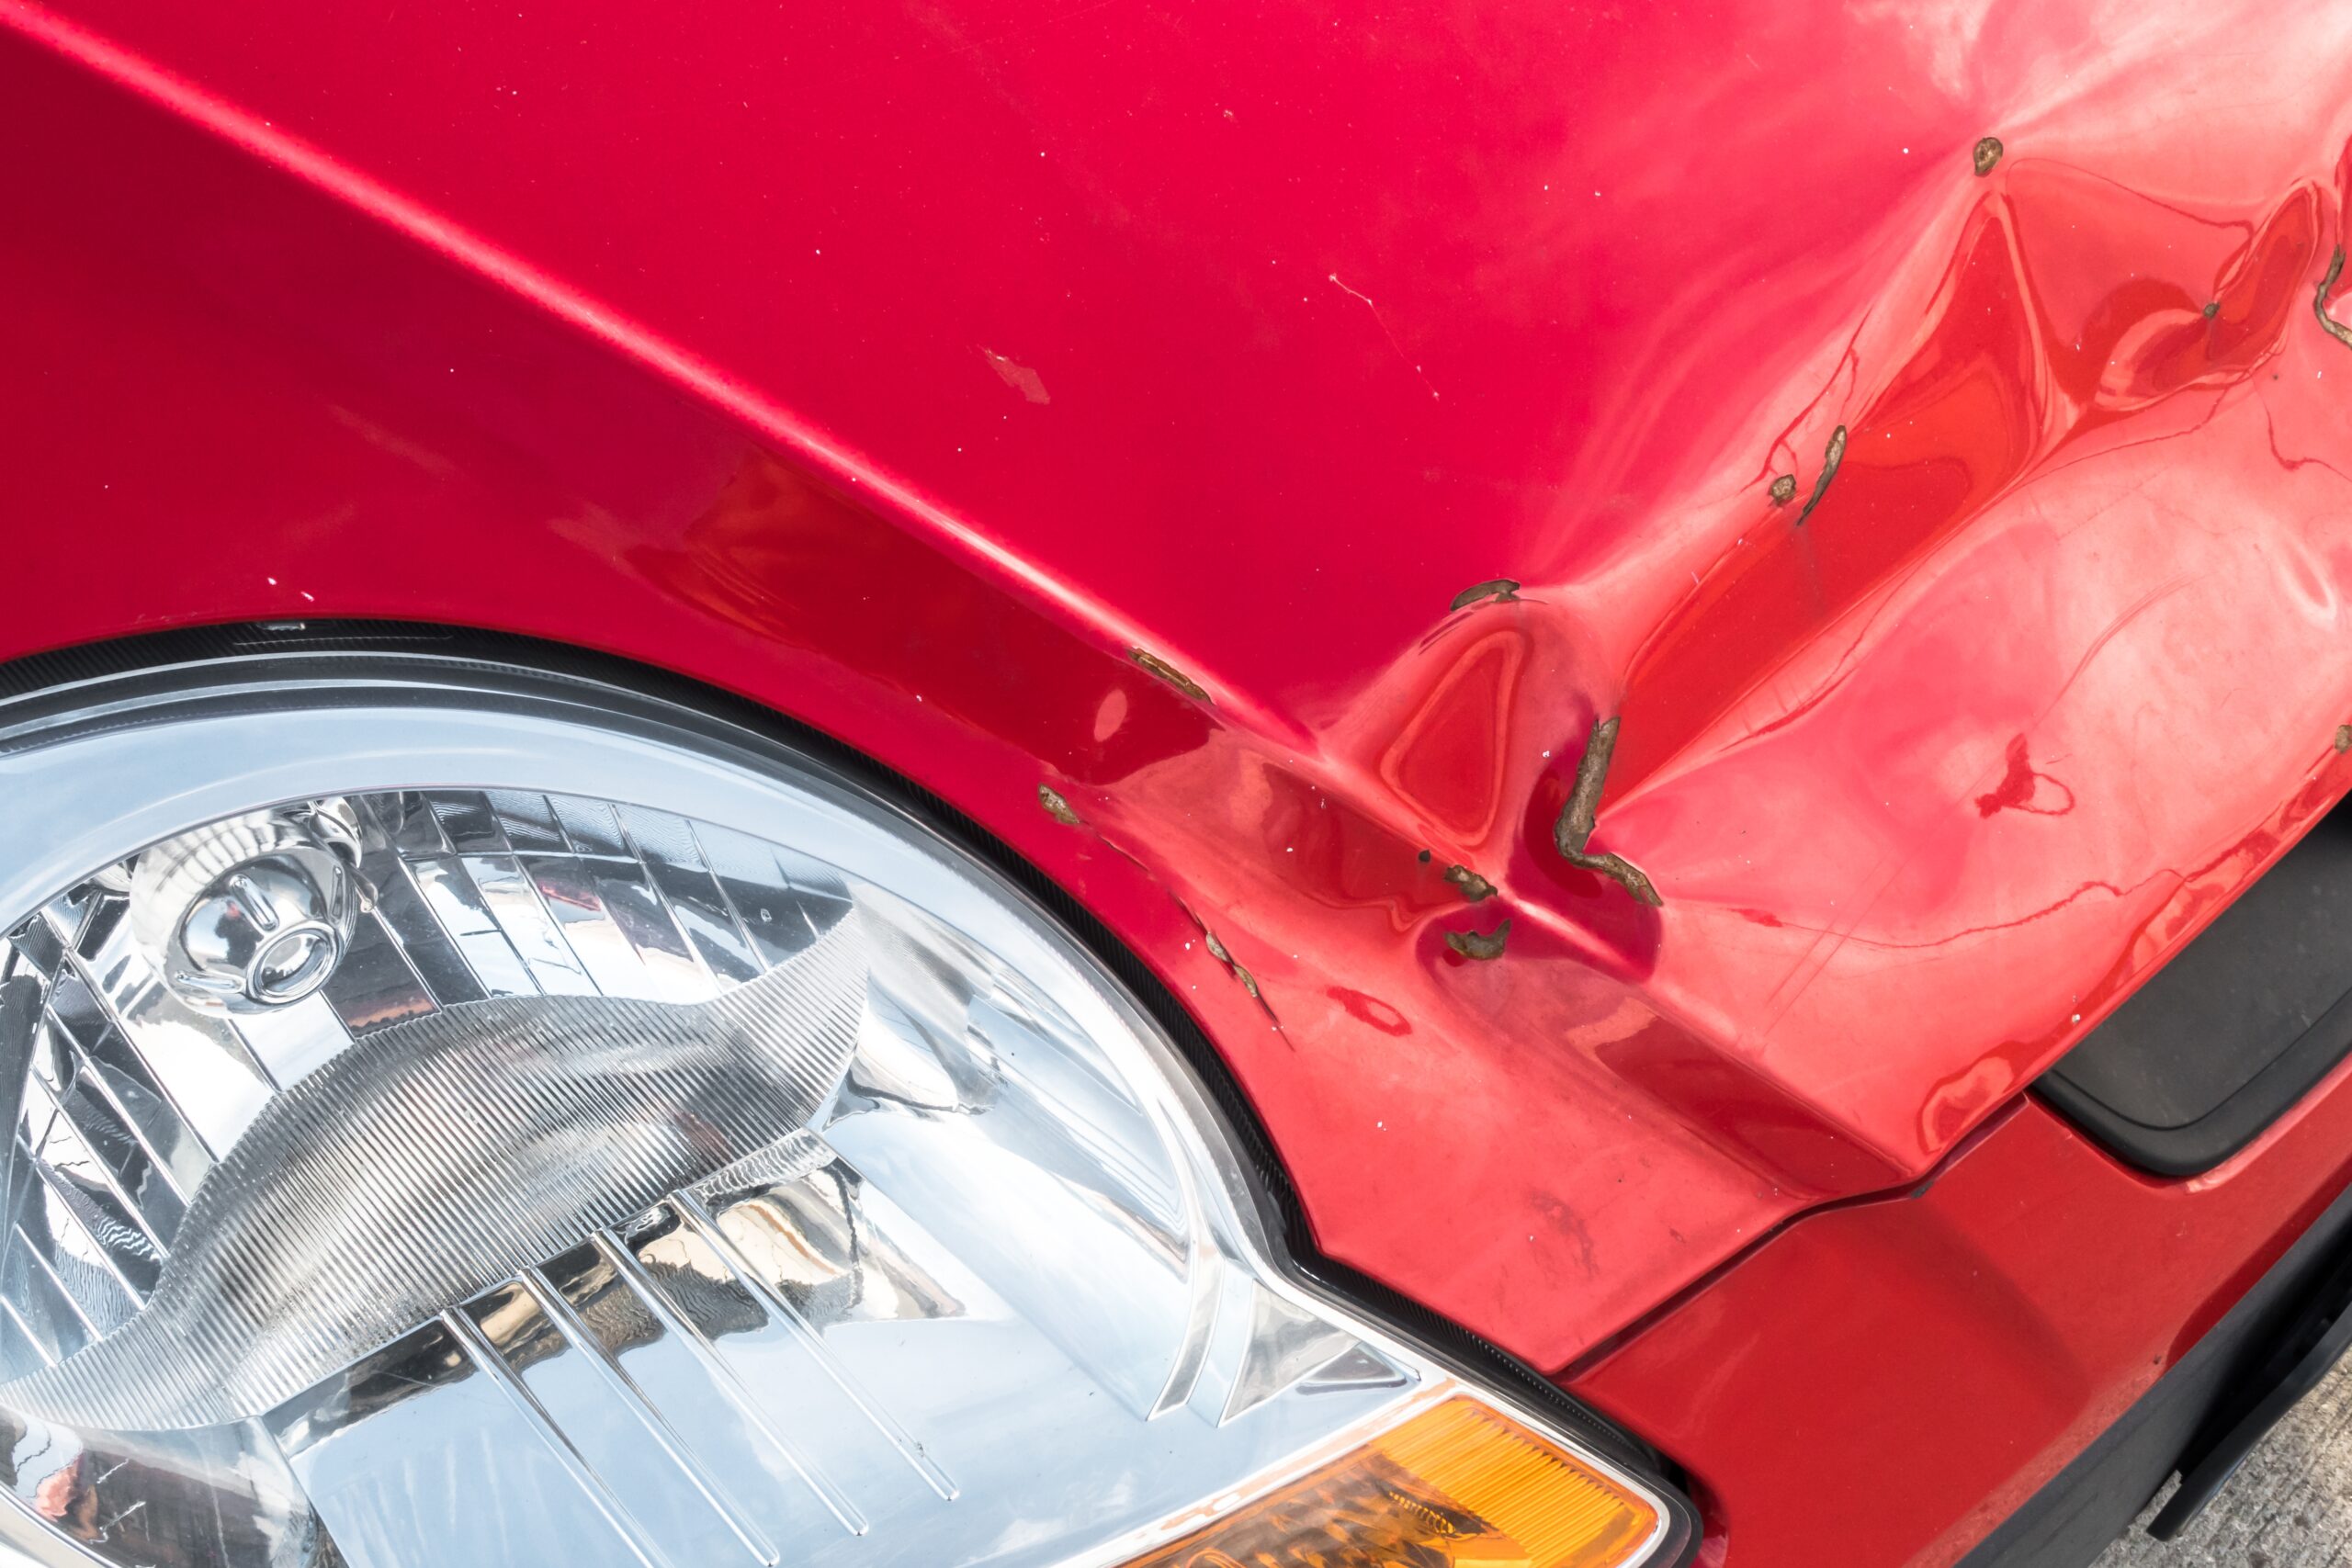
[(711, 1169)]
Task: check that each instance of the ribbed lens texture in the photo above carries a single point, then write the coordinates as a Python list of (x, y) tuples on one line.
[(438, 1156), (634, 1190)]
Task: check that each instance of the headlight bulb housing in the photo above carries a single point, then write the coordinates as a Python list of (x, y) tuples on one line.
[(252, 912)]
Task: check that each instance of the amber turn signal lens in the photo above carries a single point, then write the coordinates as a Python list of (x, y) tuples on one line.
[(1458, 1485)]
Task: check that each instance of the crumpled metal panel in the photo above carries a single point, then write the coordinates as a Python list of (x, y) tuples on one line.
[(1117, 404)]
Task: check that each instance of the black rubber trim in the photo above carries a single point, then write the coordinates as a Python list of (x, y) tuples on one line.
[(68, 681), (2234, 1030), (2184, 1417), (2300, 1357)]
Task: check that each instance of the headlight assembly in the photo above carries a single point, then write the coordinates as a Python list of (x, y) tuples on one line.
[(470, 1115)]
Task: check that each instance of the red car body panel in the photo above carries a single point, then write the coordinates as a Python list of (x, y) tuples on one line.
[(1886, 1382), (909, 370)]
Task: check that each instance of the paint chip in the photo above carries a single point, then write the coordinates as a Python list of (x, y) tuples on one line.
[(1248, 981), (1474, 886), (1784, 489), (1830, 459), (2336, 328), (1987, 154), (1573, 832), (1057, 807), (1170, 673), (1480, 944), (1020, 378), (1502, 591)]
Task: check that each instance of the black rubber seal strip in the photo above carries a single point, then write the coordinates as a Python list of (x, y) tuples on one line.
[(61, 681)]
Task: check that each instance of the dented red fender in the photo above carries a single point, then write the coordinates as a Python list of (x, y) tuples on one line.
[(1924, 434)]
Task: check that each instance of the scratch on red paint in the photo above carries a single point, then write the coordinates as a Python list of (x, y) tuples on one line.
[(1382, 322), (2270, 429)]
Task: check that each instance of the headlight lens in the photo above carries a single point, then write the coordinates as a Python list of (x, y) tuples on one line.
[(470, 1118)]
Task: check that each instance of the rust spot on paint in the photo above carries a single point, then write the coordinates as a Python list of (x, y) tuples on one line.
[(1830, 461), (1784, 489), (1572, 834), (1474, 886), (1987, 154), (2336, 328), (1502, 591), (1480, 944), (1170, 673), (2344, 737), (1057, 807)]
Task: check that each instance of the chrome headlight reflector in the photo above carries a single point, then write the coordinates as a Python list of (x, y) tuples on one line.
[(465, 1115)]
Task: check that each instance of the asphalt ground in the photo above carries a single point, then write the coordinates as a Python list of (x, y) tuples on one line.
[(2290, 1506)]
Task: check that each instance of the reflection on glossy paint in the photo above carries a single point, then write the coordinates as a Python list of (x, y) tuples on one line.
[(2070, 305), (1372, 1011), (1446, 762), (2030, 535), (2023, 788), (2077, 322)]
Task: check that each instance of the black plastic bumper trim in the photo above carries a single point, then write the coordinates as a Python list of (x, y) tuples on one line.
[(2302, 1355), (2233, 1029)]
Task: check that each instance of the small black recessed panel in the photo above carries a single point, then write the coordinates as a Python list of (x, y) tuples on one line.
[(2240, 1024)]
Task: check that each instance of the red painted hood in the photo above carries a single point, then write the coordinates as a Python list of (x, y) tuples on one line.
[(1253, 336)]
